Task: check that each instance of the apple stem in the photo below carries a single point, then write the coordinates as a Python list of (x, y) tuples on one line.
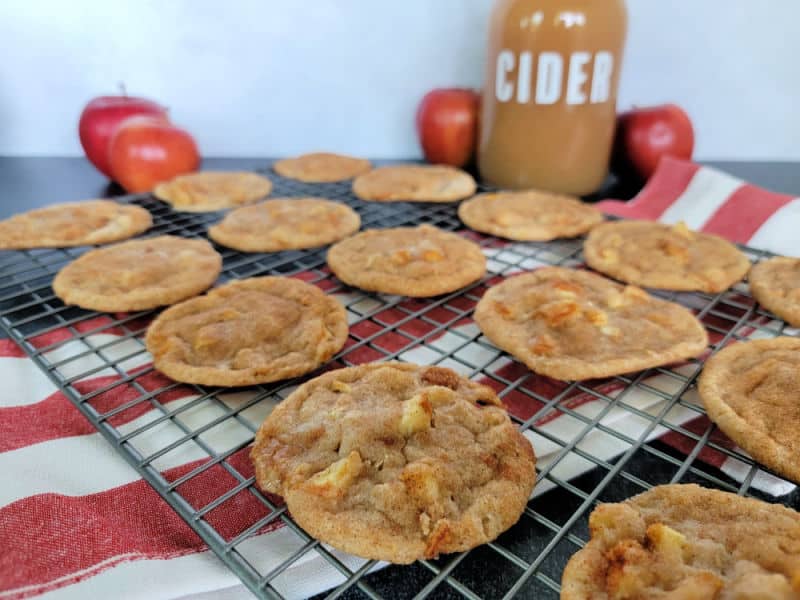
[(122, 89)]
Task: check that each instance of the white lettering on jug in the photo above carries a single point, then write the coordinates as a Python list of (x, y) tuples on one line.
[(504, 89), (577, 77), (601, 80), (524, 78), (548, 80)]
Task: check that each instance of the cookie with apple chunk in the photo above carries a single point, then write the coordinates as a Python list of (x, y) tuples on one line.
[(531, 216), (73, 224), (396, 462), (685, 541), (419, 261), (665, 257), (139, 274), (571, 325), (209, 191), (775, 283), (285, 223), (750, 390), (416, 183), (321, 167), (248, 331)]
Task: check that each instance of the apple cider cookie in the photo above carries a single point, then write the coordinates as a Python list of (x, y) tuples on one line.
[(73, 224), (210, 191), (668, 257), (775, 284), (246, 332), (414, 183), (751, 390), (685, 541), (572, 325), (396, 462), (139, 274), (418, 261), (285, 223), (322, 167), (530, 216)]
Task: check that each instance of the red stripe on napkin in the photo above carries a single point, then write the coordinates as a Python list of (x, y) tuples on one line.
[(745, 211), (97, 325), (51, 536), (11, 349), (56, 417), (737, 215), (668, 182)]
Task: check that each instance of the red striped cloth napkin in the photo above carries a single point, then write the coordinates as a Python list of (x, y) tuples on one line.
[(76, 521), (707, 199)]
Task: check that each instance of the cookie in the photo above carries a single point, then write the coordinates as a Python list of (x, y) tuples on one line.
[(570, 324), (411, 261), (667, 257), (285, 223), (685, 541), (139, 274), (208, 191), (416, 183), (396, 462), (246, 332), (73, 224), (321, 167), (530, 216), (775, 284), (751, 390)]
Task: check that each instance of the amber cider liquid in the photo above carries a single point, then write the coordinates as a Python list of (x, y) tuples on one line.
[(549, 105)]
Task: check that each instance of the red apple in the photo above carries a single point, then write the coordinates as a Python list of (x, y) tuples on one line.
[(145, 151), (447, 124), (644, 135), (101, 117)]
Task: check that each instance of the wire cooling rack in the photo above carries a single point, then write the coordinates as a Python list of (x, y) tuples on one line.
[(597, 441)]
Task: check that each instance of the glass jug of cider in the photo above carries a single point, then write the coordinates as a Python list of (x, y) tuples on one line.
[(549, 104)]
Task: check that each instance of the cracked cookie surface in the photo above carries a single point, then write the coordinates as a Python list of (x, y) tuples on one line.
[(395, 461), (418, 261), (285, 223), (751, 390), (414, 183), (139, 274), (74, 224), (775, 283), (572, 324), (246, 332), (669, 257), (529, 216), (322, 167), (208, 191), (687, 542)]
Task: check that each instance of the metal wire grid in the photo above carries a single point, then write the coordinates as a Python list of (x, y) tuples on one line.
[(70, 346)]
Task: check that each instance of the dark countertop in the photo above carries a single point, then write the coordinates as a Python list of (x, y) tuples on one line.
[(30, 182)]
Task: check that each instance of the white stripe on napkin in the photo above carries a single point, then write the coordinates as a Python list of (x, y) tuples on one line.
[(708, 190), (773, 233), (60, 464), (25, 384), (199, 574)]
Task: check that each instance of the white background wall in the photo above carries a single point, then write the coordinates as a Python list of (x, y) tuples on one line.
[(276, 77)]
